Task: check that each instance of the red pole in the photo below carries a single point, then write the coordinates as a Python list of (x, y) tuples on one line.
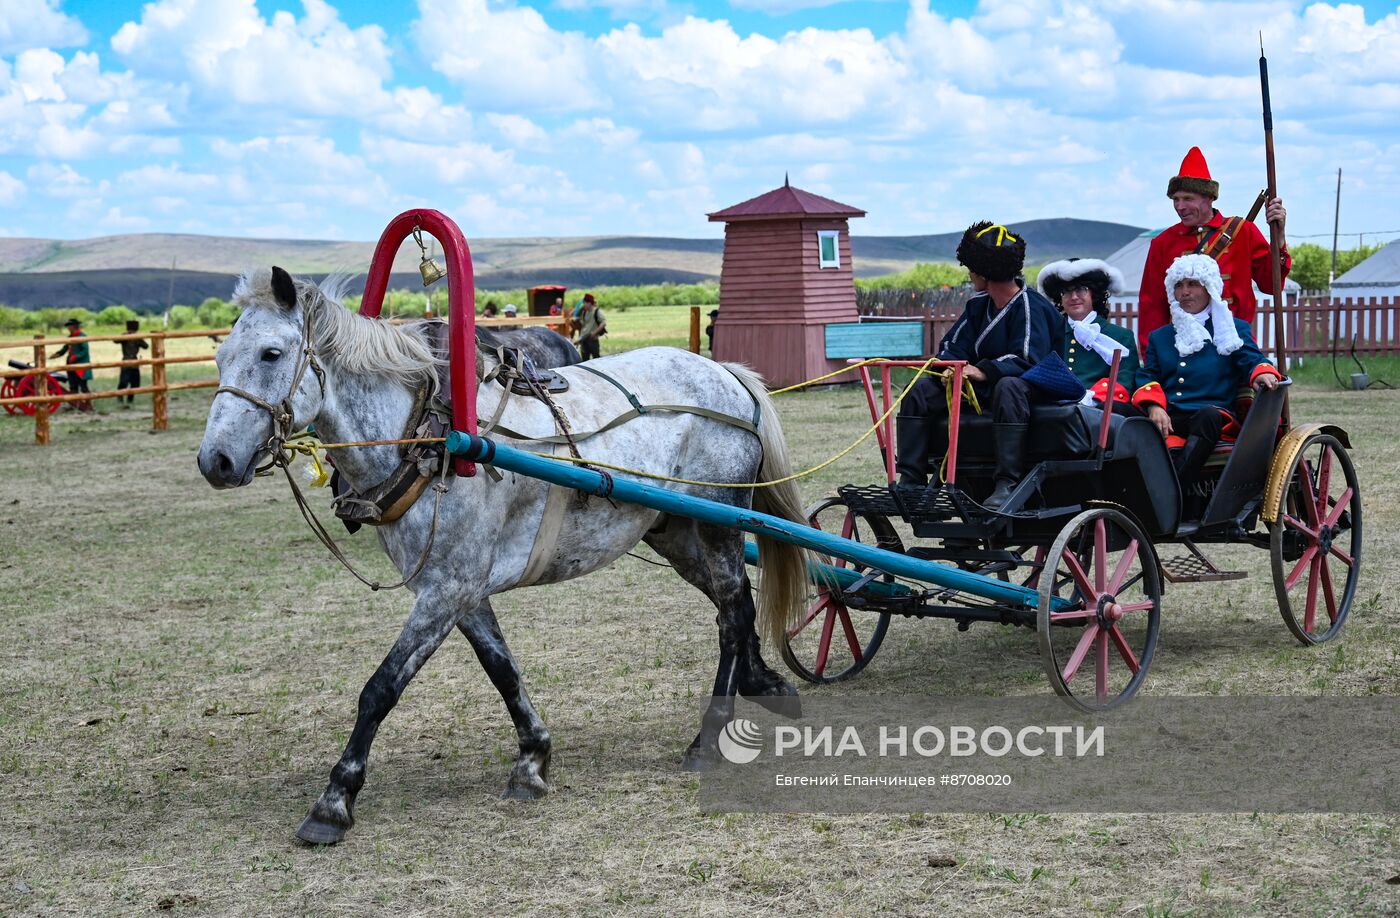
[(461, 306)]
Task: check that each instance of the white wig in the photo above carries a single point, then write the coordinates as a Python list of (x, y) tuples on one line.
[(1190, 332)]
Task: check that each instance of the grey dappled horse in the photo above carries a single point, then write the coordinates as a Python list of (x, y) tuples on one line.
[(297, 352), (544, 346)]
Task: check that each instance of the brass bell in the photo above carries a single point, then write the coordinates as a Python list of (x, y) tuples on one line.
[(430, 270)]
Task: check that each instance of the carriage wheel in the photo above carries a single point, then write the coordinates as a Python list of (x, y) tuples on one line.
[(7, 390), (1098, 646), (24, 388), (831, 642), (1315, 544)]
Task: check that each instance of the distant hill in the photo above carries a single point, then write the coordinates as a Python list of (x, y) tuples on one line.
[(136, 270)]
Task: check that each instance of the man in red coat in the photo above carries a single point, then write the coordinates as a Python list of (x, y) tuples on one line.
[(1244, 261)]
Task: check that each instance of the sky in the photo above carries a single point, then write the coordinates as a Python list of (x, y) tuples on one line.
[(309, 119)]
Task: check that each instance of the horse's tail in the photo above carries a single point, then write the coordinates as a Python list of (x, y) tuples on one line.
[(782, 593)]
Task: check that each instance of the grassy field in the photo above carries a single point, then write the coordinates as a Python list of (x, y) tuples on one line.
[(181, 667)]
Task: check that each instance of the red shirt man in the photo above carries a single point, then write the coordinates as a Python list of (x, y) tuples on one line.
[(1244, 263)]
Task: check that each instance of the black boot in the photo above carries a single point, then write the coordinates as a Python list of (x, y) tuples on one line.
[(1010, 440), (1191, 459), (911, 436), (1189, 462)]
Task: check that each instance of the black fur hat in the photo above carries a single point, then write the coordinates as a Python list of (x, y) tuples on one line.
[(992, 251), (1099, 276)]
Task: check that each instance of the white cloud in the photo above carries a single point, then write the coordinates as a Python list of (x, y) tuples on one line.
[(11, 189), (506, 58), (517, 130), (313, 66), (782, 7), (28, 24), (211, 113), (62, 181)]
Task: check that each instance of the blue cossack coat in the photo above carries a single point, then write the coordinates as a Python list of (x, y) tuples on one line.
[(1007, 341)]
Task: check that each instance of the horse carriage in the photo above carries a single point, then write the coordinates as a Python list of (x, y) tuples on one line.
[(1082, 529), (1071, 555)]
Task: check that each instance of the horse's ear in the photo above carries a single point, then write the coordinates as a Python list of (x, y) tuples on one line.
[(283, 287)]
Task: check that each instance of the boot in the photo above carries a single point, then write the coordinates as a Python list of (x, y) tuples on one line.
[(1188, 463), (1010, 440), (911, 437)]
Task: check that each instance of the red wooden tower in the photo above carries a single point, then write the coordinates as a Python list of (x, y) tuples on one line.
[(786, 276)]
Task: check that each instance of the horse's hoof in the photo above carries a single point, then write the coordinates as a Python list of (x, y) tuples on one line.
[(315, 831), (785, 705), (525, 788)]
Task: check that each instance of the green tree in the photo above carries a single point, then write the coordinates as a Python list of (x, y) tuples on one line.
[(115, 315), (12, 319), (1312, 263), (183, 316), (215, 313)]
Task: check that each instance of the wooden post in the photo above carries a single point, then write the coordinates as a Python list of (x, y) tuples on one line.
[(41, 387), (159, 416), (695, 329)]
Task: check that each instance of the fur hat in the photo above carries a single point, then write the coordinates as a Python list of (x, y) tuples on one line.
[(1099, 276), (1194, 176), (992, 250)]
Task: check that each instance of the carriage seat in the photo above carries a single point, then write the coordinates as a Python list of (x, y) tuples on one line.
[(1060, 431)]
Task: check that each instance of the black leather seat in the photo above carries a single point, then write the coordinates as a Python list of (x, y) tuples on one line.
[(1064, 431)]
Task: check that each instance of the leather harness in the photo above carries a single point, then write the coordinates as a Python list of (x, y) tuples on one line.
[(431, 418)]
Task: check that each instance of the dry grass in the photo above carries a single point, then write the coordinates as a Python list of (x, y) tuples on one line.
[(180, 670)]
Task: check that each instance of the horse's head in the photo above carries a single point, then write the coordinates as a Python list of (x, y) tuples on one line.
[(270, 382)]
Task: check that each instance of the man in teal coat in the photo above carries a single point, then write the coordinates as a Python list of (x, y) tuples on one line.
[(77, 351), (1081, 288), (1194, 366)]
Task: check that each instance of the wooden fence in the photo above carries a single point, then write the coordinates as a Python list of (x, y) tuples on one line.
[(40, 368), (1311, 323)]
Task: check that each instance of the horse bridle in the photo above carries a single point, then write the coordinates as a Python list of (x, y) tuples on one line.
[(282, 412), (281, 457)]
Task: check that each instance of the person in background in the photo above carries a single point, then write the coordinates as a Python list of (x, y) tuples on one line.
[(130, 377), (490, 312), (592, 326), (76, 352), (509, 312), (1239, 247), (710, 330), (557, 307), (1081, 288)]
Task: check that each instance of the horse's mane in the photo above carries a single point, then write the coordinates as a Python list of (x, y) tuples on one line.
[(356, 344)]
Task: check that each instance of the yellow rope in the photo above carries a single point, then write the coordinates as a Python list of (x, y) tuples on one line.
[(971, 395), (923, 370), (811, 382), (308, 445)]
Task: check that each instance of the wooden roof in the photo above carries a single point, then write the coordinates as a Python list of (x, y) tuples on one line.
[(785, 202)]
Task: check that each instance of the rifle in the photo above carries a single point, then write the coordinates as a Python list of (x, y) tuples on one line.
[(1275, 236)]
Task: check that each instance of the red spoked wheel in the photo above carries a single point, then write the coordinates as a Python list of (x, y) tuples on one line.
[(1315, 544), (831, 642), (7, 390), (1097, 642), (23, 387)]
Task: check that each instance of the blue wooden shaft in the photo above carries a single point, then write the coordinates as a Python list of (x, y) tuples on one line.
[(482, 449), (833, 576)]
